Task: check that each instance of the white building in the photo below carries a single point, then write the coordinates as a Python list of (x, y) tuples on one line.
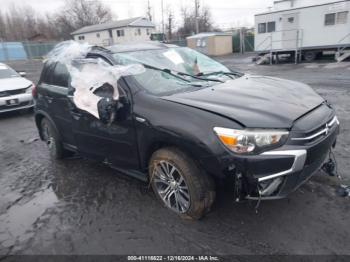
[(122, 31), (304, 28)]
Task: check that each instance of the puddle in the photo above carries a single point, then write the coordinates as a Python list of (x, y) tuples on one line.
[(18, 222)]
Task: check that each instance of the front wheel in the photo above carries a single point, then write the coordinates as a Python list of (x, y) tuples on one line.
[(179, 184)]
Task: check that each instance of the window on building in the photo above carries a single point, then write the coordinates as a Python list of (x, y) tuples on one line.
[(262, 28), (271, 27), (342, 17), (148, 31), (291, 20), (330, 19), (138, 31), (120, 33), (98, 35), (81, 37)]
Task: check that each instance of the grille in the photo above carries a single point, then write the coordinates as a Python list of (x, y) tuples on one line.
[(12, 92), (319, 132)]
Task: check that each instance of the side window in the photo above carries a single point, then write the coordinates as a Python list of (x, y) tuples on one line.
[(46, 74), (262, 28), (120, 32), (271, 27), (329, 19), (342, 17), (60, 75)]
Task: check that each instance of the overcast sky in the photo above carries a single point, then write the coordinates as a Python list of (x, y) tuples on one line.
[(226, 13)]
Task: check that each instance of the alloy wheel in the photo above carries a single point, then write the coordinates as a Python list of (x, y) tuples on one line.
[(171, 186)]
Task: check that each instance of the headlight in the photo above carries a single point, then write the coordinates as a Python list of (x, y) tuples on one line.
[(30, 89), (248, 141)]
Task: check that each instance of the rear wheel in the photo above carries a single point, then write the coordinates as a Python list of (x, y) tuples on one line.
[(310, 56), (52, 140), (179, 184)]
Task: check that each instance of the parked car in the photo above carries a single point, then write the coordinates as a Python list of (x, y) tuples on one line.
[(15, 90), (188, 122)]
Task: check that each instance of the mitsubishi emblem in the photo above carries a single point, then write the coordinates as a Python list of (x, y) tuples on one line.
[(327, 129)]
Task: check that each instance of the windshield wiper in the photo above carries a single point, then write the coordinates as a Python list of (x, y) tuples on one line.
[(200, 78), (222, 73), (176, 74), (165, 70)]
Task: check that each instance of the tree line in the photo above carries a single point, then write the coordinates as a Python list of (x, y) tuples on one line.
[(22, 23)]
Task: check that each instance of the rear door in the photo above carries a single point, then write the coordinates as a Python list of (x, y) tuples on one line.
[(56, 88)]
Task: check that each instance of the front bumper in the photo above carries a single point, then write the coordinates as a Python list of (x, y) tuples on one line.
[(295, 164), (23, 101), (275, 174)]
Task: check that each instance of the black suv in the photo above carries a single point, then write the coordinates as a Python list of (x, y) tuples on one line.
[(188, 121)]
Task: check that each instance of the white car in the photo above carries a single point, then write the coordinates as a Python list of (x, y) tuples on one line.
[(15, 90)]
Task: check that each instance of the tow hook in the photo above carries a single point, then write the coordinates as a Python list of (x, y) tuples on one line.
[(330, 167)]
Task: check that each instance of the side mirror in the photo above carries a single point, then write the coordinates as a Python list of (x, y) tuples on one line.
[(107, 109), (22, 74)]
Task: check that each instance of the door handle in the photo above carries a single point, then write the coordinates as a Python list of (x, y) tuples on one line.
[(49, 99)]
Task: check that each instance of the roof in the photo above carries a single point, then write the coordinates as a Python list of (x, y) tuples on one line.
[(201, 35), (301, 7), (131, 47), (136, 21)]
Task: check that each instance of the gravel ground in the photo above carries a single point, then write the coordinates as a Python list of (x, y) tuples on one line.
[(78, 206)]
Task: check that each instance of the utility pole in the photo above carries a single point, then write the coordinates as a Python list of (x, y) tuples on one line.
[(170, 25), (196, 14), (163, 27), (149, 11)]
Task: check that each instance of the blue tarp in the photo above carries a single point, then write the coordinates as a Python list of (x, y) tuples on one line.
[(12, 51)]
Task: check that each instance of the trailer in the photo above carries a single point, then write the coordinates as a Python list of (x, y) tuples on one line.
[(303, 29)]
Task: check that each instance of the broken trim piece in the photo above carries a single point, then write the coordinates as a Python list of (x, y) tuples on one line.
[(299, 161)]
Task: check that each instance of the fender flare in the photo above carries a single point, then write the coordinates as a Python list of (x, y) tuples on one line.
[(39, 115)]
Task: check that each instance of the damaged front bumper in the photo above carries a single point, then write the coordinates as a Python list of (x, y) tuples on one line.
[(275, 174)]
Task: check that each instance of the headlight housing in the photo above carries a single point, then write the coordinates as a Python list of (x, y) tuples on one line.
[(30, 88), (249, 141)]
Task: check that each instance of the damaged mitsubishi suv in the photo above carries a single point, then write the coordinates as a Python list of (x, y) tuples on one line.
[(186, 122)]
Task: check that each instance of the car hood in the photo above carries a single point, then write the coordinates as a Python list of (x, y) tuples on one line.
[(254, 101), (14, 83)]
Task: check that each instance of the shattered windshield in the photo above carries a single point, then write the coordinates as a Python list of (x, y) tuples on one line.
[(178, 59)]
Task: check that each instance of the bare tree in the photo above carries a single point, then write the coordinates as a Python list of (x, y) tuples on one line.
[(189, 21), (20, 23), (3, 27), (170, 22), (80, 13)]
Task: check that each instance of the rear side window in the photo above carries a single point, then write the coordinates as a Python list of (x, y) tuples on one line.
[(46, 74), (60, 76)]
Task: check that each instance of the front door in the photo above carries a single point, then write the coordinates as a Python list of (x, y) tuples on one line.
[(115, 142), (290, 31)]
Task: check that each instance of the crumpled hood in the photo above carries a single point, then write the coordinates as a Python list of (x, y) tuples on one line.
[(254, 101), (14, 83)]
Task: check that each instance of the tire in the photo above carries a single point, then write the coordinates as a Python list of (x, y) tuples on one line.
[(310, 56), (52, 139), (180, 185)]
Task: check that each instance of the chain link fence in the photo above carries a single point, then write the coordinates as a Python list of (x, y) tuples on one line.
[(11, 51)]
